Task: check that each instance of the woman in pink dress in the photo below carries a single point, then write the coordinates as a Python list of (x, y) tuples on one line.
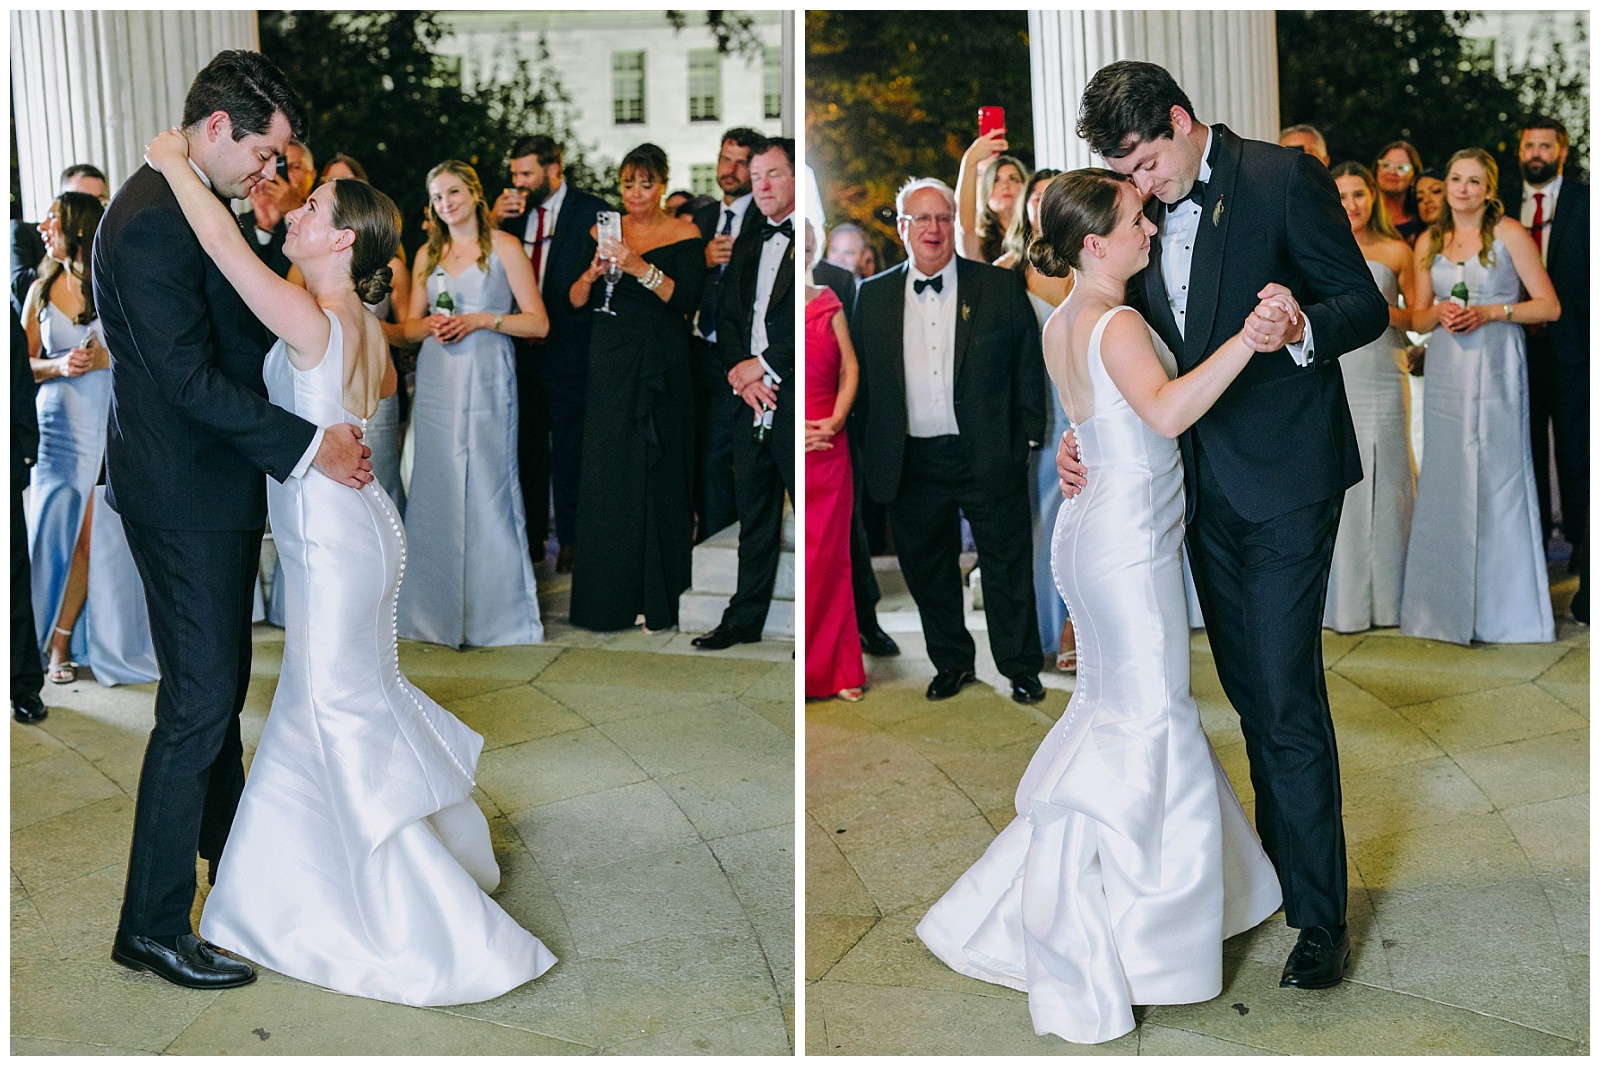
[(833, 643)]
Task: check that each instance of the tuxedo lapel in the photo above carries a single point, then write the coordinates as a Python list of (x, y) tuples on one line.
[(893, 329), (1205, 269), (1157, 309), (968, 294), (1565, 206)]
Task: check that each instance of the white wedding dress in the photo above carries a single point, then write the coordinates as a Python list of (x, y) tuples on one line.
[(1130, 859), (358, 860)]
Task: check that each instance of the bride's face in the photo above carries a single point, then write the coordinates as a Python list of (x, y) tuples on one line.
[(1127, 246), (311, 232)]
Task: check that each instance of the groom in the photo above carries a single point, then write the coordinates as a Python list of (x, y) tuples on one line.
[(1266, 468), (190, 433)]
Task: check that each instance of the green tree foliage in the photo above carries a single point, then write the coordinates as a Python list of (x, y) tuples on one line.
[(1365, 78), (375, 88), (892, 95)]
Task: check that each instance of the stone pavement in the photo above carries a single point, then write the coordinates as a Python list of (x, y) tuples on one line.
[(1466, 800), (641, 799)]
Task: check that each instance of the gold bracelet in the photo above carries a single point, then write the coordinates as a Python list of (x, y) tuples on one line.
[(1507, 308), (496, 326)]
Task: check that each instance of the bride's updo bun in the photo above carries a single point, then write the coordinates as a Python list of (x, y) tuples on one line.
[(1074, 205), (375, 220)]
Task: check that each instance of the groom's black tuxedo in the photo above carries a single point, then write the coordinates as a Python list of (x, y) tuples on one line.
[(190, 433), (1265, 472)]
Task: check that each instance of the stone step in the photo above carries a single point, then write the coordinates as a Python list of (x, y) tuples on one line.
[(716, 578), (700, 612)]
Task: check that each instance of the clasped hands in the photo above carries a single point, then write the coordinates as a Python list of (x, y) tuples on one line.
[(612, 250), (448, 329), (79, 361), (820, 433), (746, 380), (1457, 319)]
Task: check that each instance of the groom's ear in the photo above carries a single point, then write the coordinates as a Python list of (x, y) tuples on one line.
[(216, 126)]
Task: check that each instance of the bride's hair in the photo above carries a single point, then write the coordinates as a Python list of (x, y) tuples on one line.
[(375, 220), (1075, 204)]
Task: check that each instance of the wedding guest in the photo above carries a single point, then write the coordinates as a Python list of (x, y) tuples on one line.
[(271, 200), (343, 166), (675, 200), (634, 519), (1430, 198), (27, 670), (755, 336), (932, 467), (1554, 207), (987, 194), (465, 505), (833, 643), (1396, 169), (1369, 549), (1430, 202), (867, 261), (27, 248), (1308, 139), (846, 243), (1474, 568)]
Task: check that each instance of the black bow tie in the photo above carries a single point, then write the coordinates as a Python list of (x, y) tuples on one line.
[(1197, 194), (786, 227), (935, 283)]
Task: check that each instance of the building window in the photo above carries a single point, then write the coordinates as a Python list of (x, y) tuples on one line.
[(772, 82), (705, 85), (627, 87), (703, 179)]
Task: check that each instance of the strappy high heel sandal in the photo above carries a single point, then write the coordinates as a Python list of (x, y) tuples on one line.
[(64, 672)]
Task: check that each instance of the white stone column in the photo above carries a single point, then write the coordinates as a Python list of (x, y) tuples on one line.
[(789, 73), (1227, 61), (93, 86)]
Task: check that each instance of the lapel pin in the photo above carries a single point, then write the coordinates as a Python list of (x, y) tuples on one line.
[(1216, 212), (966, 312)]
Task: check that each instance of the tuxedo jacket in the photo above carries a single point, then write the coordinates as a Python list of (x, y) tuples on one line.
[(1280, 437), (840, 280), (566, 347), (191, 429), (27, 252), (1568, 263), (270, 253), (736, 315), (999, 376)]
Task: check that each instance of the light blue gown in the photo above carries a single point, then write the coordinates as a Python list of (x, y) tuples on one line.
[(471, 580)]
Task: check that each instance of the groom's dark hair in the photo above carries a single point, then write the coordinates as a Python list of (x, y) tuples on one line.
[(1127, 103), (250, 88)]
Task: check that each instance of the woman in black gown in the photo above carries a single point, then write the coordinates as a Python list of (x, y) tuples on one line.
[(634, 520)]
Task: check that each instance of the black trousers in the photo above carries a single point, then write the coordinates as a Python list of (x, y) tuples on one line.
[(564, 396), (533, 445), (717, 422), (936, 488), (1262, 588), (199, 587), (27, 667), (863, 582), (762, 473), (1558, 403)]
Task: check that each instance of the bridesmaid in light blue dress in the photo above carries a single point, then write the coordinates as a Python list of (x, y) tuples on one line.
[(1475, 568), (471, 580), (87, 616)]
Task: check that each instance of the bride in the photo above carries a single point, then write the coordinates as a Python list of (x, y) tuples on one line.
[(358, 860), (1130, 859)]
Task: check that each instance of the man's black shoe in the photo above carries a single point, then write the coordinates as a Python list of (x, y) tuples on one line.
[(1318, 959), (192, 964), (947, 683), (875, 641), (1025, 688), (28, 709), (723, 637)]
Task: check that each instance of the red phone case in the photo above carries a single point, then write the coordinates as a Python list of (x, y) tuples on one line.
[(991, 119)]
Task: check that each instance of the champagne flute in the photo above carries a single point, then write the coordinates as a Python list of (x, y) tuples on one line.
[(609, 224)]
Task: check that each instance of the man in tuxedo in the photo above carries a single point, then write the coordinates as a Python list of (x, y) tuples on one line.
[(718, 413), (271, 200), (1308, 139), (27, 247), (755, 334), (844, 246), (27, 669), (190, 433), (1265, 470), (951, 401), (551, 219), (1555, 209)]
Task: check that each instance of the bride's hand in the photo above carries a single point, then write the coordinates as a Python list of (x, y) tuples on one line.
[(1276, 321), (169, 148)]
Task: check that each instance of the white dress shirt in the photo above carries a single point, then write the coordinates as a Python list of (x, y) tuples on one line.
[(1552, 192), (304, 464), (552, 211), (1179, 232), (930, 354), (773, 250)]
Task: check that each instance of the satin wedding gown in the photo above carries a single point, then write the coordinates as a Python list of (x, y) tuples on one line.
[(358, 860), (1130, 859)]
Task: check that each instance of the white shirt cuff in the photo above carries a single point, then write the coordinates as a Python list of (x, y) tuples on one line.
[(304, 464), (1304, 350), (776, 380)]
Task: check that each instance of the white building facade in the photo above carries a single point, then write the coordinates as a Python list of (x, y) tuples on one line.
[(633, 77)]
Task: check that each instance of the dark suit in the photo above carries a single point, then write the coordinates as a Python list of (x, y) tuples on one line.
[(982, 471), (762, 472), (27, 669), (190, 433), (552, 376), (270, 253), (27, 252), (1558, 371), (1265, 472)]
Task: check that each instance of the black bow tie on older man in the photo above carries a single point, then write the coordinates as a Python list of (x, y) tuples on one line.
[(786, 227), (936, 283)]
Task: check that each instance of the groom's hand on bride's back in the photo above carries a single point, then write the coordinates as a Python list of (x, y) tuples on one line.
[(343, 457), (1073, 474)]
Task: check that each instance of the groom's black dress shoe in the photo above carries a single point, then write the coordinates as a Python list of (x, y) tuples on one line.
[(1318, 959), (875, 641), (192, 964), (723, 637), (947, 683), (28, 709), (1025, 688)]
